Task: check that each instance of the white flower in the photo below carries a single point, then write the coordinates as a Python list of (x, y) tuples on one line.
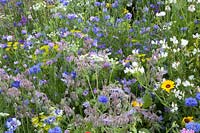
[(179, 94), (184, 42), (196, 35), (4, 114), (174, 40), (189, 1), (160, 14), (9, 38), (191, 8), (198, 1), (172, 1), (135, 51), (175, 65), (191, 77), (178, 82), (167, 8), (176, 50), (163, 54), (186, 83), (174, 107)]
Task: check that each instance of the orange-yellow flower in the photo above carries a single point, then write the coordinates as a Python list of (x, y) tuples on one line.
[(167, 85), (187, 120)]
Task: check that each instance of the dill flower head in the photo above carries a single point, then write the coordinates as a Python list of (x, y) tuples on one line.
[(167, 85), (187, 120)]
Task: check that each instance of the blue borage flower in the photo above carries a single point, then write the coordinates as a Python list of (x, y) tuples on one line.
[(191, 102), (193, 126), (103, 99), (55, 130)]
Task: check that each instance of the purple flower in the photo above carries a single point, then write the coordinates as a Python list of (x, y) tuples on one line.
[(103, 99), (50, 120), (72, 16), (191, 102), (94, 19), (97, 3), (115, 4), (15, 84), (35, 69), (12, 124), (23, 20), (198, 96), (55, 130), (86, 104), (128, 16), (85, 92)]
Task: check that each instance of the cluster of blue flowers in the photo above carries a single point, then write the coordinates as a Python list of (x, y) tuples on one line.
[(192, 102), (193, 126)]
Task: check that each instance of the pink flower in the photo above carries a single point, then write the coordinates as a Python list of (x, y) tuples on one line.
[(186, 131)]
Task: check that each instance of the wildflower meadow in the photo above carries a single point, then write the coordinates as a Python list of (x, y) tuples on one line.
[(99, 66)]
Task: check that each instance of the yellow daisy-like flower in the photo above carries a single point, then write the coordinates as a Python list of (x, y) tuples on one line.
[(187, 120), (167, 85)]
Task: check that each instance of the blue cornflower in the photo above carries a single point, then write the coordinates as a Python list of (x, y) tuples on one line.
[(191, 102), (103, 99), (55, 130), (193, 126), (198, 96), (35, 69), (15, 84)]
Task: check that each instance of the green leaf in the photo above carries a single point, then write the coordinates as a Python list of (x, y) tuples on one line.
[(147, 100)]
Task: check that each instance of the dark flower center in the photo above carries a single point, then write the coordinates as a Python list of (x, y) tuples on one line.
[(168, 86), (186, 120)]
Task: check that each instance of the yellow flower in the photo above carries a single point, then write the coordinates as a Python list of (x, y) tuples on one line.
[(15, 45), (167, 85), (9, 44), (47, 127), (75, 31), (45, 48), (187, 120), (137, 103), (35, 121), (56, 46), (125, 11), (108, 5)]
